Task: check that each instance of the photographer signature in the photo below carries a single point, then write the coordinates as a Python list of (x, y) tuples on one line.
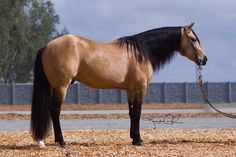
[(168, 119)]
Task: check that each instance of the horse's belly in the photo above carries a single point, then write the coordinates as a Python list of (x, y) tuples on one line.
[(105, 67), (97, 77), (100, 82)]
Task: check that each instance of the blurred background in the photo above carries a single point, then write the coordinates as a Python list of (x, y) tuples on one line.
[(27, 25)]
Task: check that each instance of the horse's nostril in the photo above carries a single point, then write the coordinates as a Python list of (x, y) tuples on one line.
[(204, 60)]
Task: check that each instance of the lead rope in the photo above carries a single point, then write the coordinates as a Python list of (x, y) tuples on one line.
[(205, 95)]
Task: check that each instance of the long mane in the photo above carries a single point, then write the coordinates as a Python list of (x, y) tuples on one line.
[(157, 46)]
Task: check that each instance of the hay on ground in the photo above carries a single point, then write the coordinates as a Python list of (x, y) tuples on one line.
[(159, 142)]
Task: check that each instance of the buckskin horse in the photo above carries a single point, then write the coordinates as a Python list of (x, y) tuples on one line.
[(126, 63)]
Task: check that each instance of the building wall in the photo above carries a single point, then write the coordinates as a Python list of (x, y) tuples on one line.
[(157, 93)]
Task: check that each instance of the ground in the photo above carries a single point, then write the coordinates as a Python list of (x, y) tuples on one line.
[(13, 116), (158, 142), (108, 106)]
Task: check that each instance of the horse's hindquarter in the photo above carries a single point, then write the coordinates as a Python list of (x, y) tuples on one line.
[(102, 65), (61, 60)]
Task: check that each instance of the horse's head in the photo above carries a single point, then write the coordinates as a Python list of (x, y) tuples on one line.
[(190, 46)]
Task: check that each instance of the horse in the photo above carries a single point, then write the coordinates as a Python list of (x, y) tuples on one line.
[(126, 63)]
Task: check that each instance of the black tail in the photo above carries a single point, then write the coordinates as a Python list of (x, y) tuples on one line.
[(42, 94)]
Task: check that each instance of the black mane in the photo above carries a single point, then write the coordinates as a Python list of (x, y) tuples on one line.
[(157, 45)]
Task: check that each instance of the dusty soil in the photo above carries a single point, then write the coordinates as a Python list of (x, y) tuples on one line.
[(107, 106), (13, 116), (159, 142)]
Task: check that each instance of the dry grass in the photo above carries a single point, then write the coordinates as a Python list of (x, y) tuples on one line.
[(160, 142)]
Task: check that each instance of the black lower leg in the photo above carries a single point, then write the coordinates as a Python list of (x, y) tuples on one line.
[(136, 131), (135, 112), (131, 115), (55, 114)]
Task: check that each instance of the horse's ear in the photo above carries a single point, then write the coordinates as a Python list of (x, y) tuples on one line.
[(189, 27)]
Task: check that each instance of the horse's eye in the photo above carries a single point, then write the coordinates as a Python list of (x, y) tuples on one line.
[(193, 39)]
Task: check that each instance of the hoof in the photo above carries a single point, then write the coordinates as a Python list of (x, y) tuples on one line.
[(138, 142), (62, 144)]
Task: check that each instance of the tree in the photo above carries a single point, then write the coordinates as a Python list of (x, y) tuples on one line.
[(26, 25)]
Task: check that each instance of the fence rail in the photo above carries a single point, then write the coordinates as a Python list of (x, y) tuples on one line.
[(157, 92)]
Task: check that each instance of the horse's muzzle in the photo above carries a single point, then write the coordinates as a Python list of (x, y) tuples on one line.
[(202, 60)]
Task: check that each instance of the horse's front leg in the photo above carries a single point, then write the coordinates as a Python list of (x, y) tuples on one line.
[(135, 113), (135, 106)]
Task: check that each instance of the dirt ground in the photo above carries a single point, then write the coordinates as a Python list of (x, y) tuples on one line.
[(158, 142), (108, 106), (13, 116)]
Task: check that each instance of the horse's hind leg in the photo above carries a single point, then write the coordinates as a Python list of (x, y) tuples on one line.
[(55, 109)]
